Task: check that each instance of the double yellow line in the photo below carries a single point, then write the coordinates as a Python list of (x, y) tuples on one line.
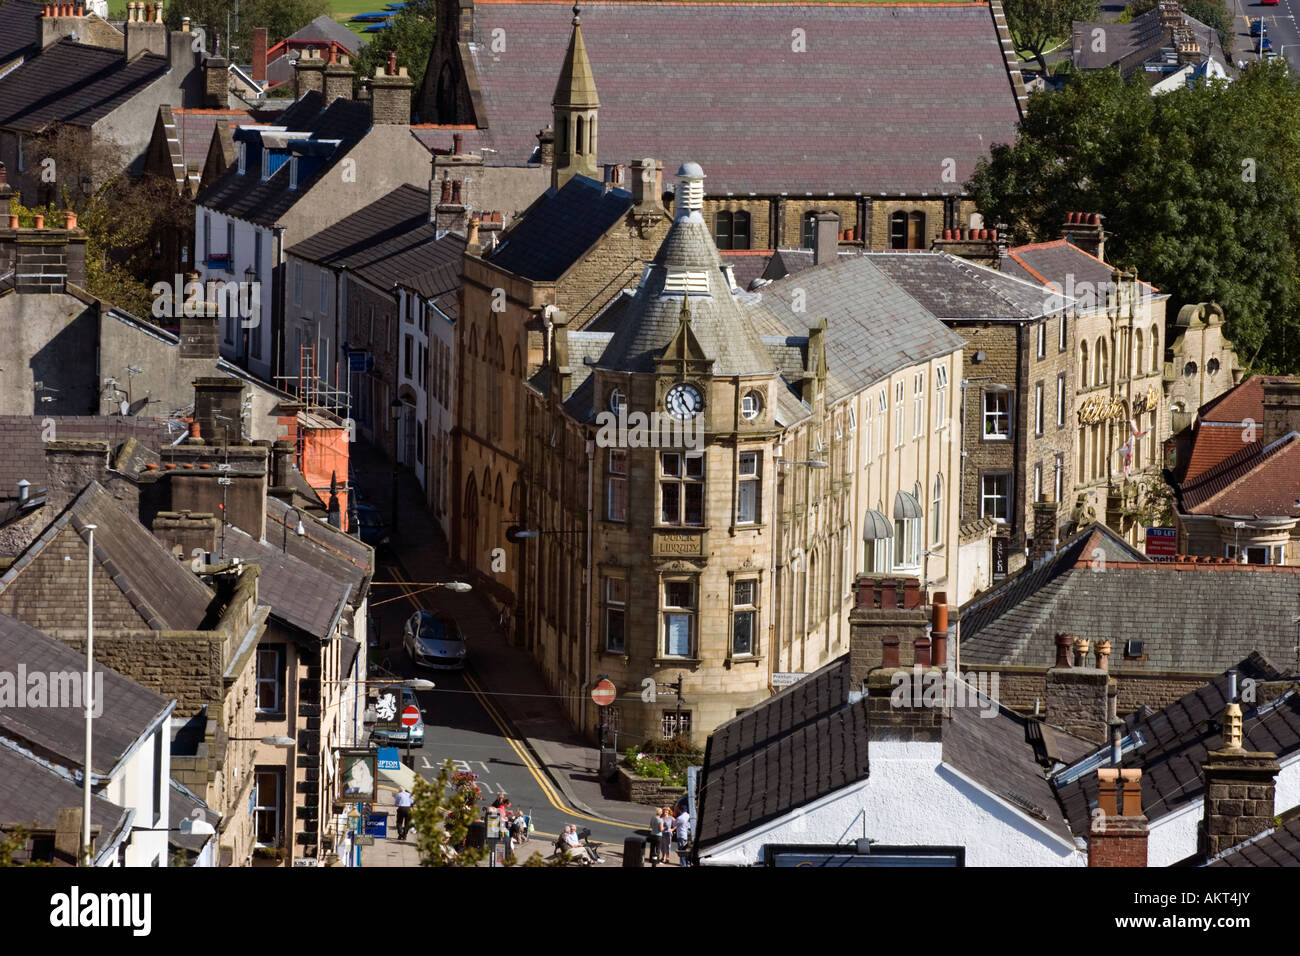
[(552, 797)]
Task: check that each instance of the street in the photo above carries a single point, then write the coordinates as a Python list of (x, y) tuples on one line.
[(1280, 25)]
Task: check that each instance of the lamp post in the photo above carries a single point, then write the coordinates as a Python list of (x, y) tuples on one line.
[(395, 415), (460, 587), (300, 530), (88, 692)]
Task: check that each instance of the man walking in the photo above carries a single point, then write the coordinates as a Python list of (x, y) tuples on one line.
[(403, 801), (682, 828)]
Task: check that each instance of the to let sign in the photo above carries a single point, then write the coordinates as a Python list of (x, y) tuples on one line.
[(1162, 541)]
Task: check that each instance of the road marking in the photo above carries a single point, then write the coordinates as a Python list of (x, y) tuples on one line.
[(553, 798)]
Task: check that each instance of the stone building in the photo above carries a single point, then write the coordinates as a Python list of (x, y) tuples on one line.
[(1113, 378), (1200, 364), (694, 495), (778, 86)]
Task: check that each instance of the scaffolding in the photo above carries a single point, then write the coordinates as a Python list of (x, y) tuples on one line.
[(323, 405)]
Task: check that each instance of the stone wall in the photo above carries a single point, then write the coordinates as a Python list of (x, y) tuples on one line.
[(650, 791)]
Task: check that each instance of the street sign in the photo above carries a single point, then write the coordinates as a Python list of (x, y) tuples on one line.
[(604, 693), (305, 861), (1000, 558), (1162, 541), (410, 716), (363, 839), (780, 680), (377, 825), (389, 759)]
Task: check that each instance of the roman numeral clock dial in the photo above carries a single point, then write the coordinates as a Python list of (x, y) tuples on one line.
[(684, 401)]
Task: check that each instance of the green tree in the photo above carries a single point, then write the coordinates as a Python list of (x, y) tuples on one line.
[(280, 17), (1036, 24), (441, 813), (1200, 188), (410, 33)]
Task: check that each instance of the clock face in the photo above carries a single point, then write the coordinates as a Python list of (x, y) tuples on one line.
[(684, 401)]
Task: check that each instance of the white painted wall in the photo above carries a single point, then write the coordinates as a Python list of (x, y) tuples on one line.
[(132, 787), (911, 799)]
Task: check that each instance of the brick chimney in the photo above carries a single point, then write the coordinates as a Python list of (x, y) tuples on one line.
[(390, 95), (45, 260), (1240, 786), (884, 606), (1084, 230), (983, 246), (258, 65), (218, 408), (186, 531), (826, 237), (216, 82), (648, 185), (59, 20), (1078, 697), (898, 710), (1043, 539), (1281, 407), (145, 30), (1118, 835), (338, 79), (1171, 13), (308, 73)]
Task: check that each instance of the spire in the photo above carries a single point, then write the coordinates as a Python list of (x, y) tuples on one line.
[(574, 107)]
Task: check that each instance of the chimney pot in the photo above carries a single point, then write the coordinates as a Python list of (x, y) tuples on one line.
[(1063, 644), (69, 219), (472, 238), (889, 650), (392, 63), (1081, 645), (457, 140), (922, 647), (1102, 652), (446, 192), (13, 221), (1108, 791), (40, 221)]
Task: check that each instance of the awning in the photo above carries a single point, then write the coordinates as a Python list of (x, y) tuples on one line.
[(875, 526), (905, 506)]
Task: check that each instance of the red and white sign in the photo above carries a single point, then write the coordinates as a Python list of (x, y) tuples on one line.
[(1162, 541), (410, 716), (604, 693)]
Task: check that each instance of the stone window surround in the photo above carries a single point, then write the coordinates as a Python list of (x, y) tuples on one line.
[(756, 655)]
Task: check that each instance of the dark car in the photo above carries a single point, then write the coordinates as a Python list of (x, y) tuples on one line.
[(1262, 44), (1256, 27), (434, 641), (371, 528)]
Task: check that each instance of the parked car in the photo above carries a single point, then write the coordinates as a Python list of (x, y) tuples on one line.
[(433, 640), (1256, 27), (399, 734), (1263, 44), (371, 527)]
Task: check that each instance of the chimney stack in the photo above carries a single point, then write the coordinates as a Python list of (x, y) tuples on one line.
[(199, 334), (145, 30), (216, 83), (69, 467), (218, 409), (44, 260), (826, 237), (1043, 538), (648, 185), (887, 616), (1084, 231), (1118, 835), (898, 710), (187, 531), (309, 73), (259, 56), (338, 79), (546, 147), (1240, 787), (59, 20), (983, 246), (1078, 697), (1281, 407), (390, 95)]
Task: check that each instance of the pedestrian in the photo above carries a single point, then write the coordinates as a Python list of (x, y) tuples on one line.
[(682, 827), (656, 823), (404, 800), (665, 834)]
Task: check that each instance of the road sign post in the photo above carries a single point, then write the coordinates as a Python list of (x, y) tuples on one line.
[(410, 717), (604, 694)]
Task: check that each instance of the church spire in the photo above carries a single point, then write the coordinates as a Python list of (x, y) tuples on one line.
[(575, 105)]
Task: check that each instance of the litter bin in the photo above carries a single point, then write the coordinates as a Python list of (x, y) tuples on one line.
[(633, 850), (476, 838), (608, 762)]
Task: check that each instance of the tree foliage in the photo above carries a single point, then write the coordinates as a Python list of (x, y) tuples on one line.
[(410, 33), (1036, 24), (1200, 188), (441, 814), (280, 17)]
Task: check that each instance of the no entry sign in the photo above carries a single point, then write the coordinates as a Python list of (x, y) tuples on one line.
[(604, 693), (410, 716)]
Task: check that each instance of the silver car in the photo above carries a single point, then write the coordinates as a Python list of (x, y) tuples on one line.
[(435, 641)]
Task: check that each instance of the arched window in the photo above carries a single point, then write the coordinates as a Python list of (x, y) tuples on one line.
[(936, 511), (1139, 364), (1103, 368), (1155, 349), (562, 135), (592, 136), (907, 230), (1084, 381), (579, 140)]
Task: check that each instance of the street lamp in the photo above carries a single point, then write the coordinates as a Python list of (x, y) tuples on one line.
[(394, 414), (88, 690), (808, 463), (284, 743), (460, 587), (300, 530)]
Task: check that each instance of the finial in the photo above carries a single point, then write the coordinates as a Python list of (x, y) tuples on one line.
[(576, 11), (686, 310)]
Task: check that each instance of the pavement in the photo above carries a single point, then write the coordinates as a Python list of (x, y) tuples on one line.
[(503, 677)]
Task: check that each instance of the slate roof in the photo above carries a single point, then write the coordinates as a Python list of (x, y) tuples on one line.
[(807, 741), (554, 233), (194, 130), (338, 554), (20, 32), (1276, 847), (955, 289), (247, 197), (1060, 261), (864, 108), (873, 325), (70, 82), (31, 793), (163, 591), (327, 30), (1177, 740), (747, 264), (718, 321), (304, 596), (127, 710), (390, 242), (23, 439), (1133, 44), (1197, 616), (181, 804)]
